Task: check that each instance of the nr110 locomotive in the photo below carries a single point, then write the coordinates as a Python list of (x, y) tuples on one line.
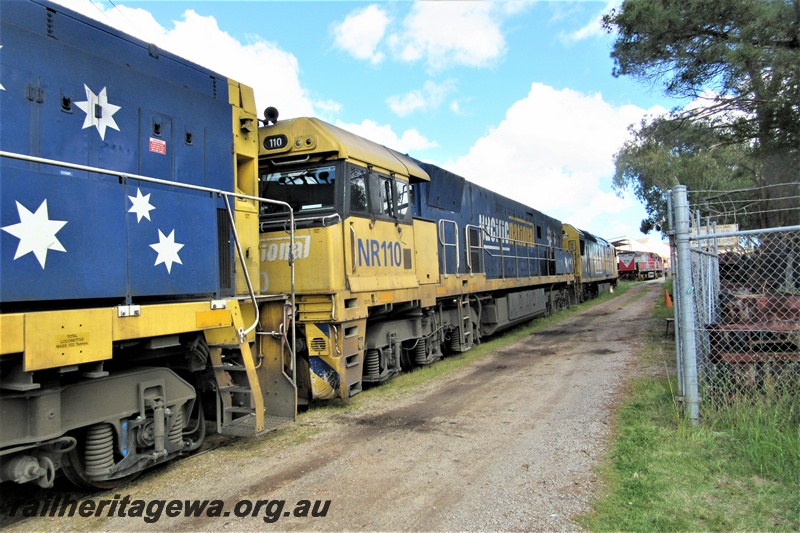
[(398, 262)]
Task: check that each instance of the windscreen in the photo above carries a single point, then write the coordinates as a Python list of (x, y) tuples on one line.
[(306, 190)]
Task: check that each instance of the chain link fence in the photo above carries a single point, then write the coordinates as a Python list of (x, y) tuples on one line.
[(737, 312)]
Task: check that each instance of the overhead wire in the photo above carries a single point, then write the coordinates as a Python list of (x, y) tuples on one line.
[(746, 200), (96, 5), (749, 189), (720, 206), (756, 211)]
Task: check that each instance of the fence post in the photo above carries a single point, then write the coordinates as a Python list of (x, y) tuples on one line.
[(686, 316), (676, 293)]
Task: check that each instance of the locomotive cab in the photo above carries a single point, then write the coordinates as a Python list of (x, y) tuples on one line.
[(353, 251)]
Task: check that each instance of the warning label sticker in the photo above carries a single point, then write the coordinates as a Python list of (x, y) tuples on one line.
[(158, 146)]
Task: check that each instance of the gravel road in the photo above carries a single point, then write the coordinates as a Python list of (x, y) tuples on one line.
[(507, 443)]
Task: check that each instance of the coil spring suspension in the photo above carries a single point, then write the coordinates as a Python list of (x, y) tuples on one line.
[(176, 431), (421, 352), (454, 342), (99, 456), (372, 363)]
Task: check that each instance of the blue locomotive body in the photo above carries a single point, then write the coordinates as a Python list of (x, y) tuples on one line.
[(127, 197), (485, 232), (112, 102)]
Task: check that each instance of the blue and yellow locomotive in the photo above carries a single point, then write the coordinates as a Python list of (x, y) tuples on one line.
[(595, 259), (129, 272), (398, 262)]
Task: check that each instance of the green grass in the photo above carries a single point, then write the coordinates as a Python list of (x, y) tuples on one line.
[(766, 425), (738, 470)]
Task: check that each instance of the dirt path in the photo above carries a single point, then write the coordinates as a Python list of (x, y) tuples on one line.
[(508, 443)]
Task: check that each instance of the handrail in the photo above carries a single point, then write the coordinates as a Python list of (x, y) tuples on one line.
[(305, 159), (469, 246), (267, 225), (243, 334), (516, 257)]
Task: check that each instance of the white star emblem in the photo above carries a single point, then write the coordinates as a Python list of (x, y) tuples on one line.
[(97, 104), (167, 250), (36, 233), (141, 205)]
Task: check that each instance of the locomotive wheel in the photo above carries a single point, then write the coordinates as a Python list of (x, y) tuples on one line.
[(74, 470)]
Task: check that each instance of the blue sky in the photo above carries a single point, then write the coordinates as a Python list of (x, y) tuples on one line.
[(516, 96)]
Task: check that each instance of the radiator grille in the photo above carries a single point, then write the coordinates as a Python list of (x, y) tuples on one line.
[(319, 344)]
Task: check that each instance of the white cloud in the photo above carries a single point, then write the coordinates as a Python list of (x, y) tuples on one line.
[(273, 73), (410, 141), (592, 29), (361, 32), (429, 97), (327, 109), (440, 34), (447, 33), (512, 7), (455, 107), (554, 151), (603, 207)]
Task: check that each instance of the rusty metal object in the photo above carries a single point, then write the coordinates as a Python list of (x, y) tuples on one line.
[(756, 328)]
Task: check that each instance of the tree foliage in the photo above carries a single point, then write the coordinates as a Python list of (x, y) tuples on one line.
[(739, 63), (662, 154)]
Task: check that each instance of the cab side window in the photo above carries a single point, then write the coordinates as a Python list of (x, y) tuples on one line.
[(403, 196), (358, 194), (378, 196)]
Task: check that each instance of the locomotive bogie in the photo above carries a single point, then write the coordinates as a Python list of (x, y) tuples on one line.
[(127, 420)]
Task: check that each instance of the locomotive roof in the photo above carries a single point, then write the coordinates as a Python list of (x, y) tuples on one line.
[(156, 62), (331, 138), (589, 236)]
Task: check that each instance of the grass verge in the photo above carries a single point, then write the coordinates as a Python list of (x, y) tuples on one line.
[(739, 470)]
